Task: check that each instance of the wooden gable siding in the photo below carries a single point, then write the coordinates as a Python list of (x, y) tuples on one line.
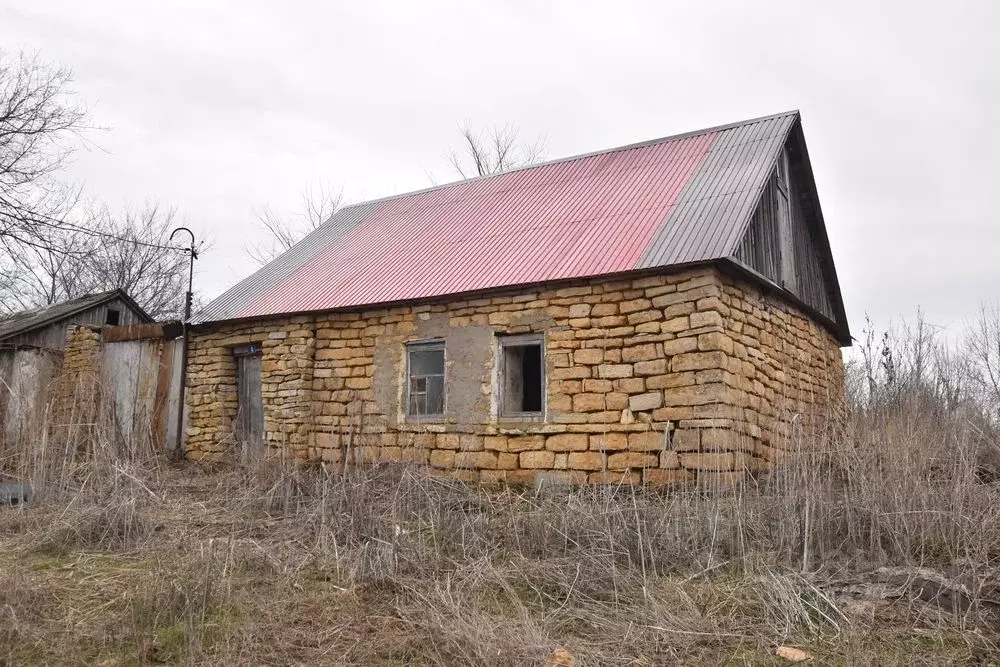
[(53, 335), (793, 260)]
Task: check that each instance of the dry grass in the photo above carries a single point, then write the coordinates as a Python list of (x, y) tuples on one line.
[(881, 547)]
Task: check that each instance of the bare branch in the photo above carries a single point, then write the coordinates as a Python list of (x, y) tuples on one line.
[(281, 233), (39, 127), (493, 151)]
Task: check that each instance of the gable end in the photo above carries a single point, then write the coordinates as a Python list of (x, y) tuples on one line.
[(786, 243)]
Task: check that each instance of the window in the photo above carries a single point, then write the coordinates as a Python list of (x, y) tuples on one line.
[(522, 376), (112, 317), (425, 379)]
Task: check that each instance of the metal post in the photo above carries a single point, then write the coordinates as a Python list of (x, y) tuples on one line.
[(189, 297)]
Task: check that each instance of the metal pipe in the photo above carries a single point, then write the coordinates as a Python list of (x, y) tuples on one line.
[(188, 299)]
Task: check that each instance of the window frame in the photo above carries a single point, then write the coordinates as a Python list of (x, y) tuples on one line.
[(505, 341), (426, 345)]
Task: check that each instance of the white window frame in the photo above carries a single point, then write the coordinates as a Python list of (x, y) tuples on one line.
[(425, 345), (500, 381)]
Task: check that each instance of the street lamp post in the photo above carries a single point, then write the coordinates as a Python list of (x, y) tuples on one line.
[(188, 299)]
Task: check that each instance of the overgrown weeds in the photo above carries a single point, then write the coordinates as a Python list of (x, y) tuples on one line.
[(879, 546)]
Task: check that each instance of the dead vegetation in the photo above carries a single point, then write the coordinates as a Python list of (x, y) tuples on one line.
[(879, 547)]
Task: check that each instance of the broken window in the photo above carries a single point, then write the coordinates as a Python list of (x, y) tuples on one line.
[(112, 317), (249, 426), (522, 376), (425, 379)]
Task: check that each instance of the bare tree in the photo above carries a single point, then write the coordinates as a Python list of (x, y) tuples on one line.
[(49, 250), (40, 126), (135, 255), (493, 151), (281, 233), (107, 250), (983, 344)]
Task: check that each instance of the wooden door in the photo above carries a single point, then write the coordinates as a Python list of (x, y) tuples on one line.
[(250, 411)]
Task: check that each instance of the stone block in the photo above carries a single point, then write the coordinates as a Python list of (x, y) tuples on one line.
[(679, 346), (647, 441), (675, 325), (588, 402), (634, 305), (719, 439), (653, 367), (625, 460), (597, 386), (666, 476), (469, 442), (496, 443), (524, 443), (686, 439), (669, 459), (630, 385), (678, 310), (560, 402), (614, 370), (706, 461), (611, 441), (537, 459), (507, 461), (485, 460), (588, 355), (640, 353), (586, 461), (442, 458), (696, 361), (616, 401), (604, 309), (566, 442), (643, 402), (670, 380), (708, 318), (701, 394), (715, 341)]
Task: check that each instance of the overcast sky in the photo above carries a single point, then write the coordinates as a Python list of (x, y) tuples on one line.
[(219, 108)]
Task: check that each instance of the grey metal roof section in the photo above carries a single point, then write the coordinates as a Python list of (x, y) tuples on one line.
[(229, 304), (713, 211), (29, 320)]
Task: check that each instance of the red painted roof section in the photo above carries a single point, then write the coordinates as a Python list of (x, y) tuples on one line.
[(675, 200), (568, 219)]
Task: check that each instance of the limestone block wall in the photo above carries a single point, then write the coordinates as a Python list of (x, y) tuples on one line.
[(77, 384), (658, 379)]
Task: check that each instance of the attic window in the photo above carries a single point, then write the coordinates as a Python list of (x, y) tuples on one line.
[(522, 376), (425, 379), (112, 317)]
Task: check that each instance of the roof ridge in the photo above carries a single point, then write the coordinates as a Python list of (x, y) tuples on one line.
[(571, 158)]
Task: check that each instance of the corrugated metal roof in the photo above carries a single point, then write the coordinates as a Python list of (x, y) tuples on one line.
[(29, 320), (674, 200)]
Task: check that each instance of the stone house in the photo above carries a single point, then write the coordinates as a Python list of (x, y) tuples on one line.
[(659, 312)]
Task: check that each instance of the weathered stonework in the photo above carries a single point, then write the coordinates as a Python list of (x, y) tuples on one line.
[(659, 379), (77, 382)]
